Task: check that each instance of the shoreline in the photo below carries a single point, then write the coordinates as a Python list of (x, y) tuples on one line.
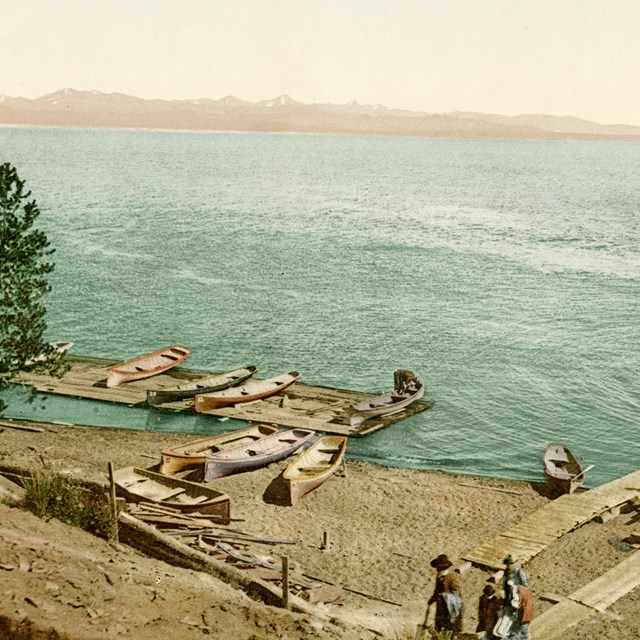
[(376, 462), (549, 137)]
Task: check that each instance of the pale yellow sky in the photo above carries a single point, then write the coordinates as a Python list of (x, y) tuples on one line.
[(560, 57)]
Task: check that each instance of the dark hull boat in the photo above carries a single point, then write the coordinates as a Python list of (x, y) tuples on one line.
[(385, 404), (204, 385)]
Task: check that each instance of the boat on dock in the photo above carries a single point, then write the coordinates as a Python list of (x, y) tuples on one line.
[(60, 347), (255, 455), (250, 391), (563, 471), (148, 365), (314, 466), (193, 454), (407, 390), (203, 385), (142, 485)]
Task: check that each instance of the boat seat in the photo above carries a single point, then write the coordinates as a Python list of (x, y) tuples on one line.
[(558, 470)]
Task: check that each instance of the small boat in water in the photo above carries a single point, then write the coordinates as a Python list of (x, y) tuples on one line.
[(193, 454), (204, 385), (563, 471), (142, 485), (314, 466), (407, 390), (60, 347), (248, 392), (147, 365), (255, 455)]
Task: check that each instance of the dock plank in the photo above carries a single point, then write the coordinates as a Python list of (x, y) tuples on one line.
[(555, 519)]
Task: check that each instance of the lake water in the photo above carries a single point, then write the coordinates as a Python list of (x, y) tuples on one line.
[(506, 274)]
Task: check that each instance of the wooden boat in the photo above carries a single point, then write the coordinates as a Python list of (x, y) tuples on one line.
[(563, 471), (148, 365), (204, 385), (387, 403), (255, 455), (314, 466), (248, 392), (193, 454), (142, 485), (60, 347)]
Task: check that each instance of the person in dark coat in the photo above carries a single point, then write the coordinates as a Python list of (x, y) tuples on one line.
[(447, 596), (488, 611)]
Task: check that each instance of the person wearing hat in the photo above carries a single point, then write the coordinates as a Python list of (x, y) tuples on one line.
[(488, 612), (515, 583), (513, 575), (446, 596)]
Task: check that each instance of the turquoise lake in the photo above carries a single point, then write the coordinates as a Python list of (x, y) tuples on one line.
[(505, 273)]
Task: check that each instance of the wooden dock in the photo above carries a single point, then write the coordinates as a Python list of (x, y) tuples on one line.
[(597, 595), (536, 532), (300, 406)]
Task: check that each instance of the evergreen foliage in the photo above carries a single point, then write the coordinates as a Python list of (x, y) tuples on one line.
[(24, 267)]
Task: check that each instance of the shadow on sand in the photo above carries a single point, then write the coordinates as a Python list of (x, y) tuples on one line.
[(277, 493)]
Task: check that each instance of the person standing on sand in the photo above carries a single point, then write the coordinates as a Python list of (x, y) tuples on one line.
[(447, 596), (488, 611), (513, 577), (524, 615), (513, 573)]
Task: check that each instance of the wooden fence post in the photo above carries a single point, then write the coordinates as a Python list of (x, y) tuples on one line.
[(114, 505), (285, 582), (325, 541)]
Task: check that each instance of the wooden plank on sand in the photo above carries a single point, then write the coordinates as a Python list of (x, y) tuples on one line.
[(598, 595), (554, 520), (604, 591), (554, 622)]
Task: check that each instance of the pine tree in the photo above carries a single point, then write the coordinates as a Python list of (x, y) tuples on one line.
[(24, 267)]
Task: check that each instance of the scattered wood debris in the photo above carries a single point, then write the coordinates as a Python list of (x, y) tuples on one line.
[(228, 544)]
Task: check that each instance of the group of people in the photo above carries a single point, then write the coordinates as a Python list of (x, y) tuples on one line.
[(502, 615)]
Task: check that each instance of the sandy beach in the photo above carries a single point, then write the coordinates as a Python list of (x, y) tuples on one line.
[(383, 527)]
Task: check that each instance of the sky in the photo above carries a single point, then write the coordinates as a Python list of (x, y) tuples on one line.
[(559, 57)]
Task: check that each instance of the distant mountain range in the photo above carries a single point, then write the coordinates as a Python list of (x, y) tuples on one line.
[(70, 107)]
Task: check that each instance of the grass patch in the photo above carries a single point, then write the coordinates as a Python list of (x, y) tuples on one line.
[(49, 496)]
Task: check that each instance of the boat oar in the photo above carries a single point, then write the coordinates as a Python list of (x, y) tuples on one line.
[(421, 628), (584, 471)]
